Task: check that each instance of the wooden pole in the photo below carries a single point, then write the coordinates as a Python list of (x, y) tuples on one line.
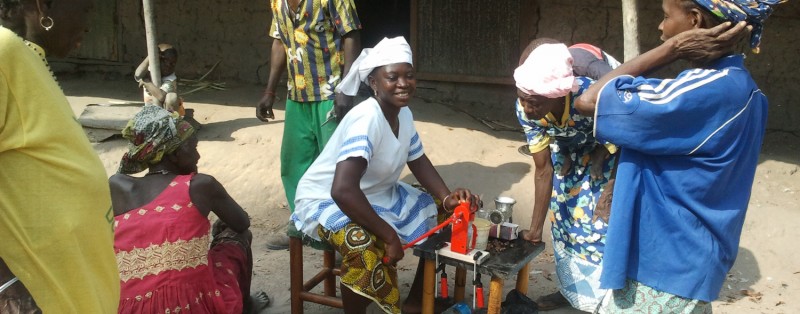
[(295, 274), (495, 295), (329, 262), (428, 284), (522, 279), (630, 26), (152, 44)]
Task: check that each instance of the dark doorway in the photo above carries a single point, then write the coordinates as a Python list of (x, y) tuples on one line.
[(383, 18)]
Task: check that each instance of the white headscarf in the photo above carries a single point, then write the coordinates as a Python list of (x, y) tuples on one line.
[(547, 71), (388, 51)]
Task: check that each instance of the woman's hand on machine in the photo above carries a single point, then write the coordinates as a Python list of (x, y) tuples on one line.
[(533, 236), (461, 195), (475, 203)]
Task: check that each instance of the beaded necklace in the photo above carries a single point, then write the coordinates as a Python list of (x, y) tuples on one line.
[(40, 52)]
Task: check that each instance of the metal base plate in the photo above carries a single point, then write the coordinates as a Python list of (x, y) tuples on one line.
[(469, 257)]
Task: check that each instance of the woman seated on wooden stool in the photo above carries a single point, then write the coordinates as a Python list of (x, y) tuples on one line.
[(351, 198)]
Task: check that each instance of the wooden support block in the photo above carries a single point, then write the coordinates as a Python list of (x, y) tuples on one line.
[(461, 282)]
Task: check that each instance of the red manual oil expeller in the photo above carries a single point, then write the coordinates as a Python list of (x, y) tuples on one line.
[(463, 218), (461, 241)]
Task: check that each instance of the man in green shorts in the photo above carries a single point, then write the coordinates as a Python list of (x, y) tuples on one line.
[(318, 39)]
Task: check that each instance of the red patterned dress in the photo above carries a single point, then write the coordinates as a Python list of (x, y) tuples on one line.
[(166, 265)]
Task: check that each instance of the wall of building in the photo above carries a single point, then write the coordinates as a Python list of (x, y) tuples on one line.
[(204, 32), (235, 33), (775, 68), (600, 23)]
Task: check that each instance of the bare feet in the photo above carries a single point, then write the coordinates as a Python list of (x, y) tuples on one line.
[(257, 302), (552, 301)]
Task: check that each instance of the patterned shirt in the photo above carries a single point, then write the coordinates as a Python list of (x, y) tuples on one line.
[(313, 41)]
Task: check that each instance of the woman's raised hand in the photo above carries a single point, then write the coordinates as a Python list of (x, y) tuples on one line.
[(706, 44)]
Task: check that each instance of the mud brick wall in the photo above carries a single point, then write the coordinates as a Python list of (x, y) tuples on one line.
[(204, 32), (775, 69), (207, 31)]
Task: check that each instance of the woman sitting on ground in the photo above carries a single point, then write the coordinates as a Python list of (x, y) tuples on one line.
[(161, 226), (351, 198)]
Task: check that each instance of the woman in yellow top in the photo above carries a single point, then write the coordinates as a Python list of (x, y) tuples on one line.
[(57, 251)]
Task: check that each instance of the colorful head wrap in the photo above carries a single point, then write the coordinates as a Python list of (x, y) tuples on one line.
[(387, 51), (754, 12), (547, 71), (153, 133)]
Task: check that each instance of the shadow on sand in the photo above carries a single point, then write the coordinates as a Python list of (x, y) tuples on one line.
[(481, 179)]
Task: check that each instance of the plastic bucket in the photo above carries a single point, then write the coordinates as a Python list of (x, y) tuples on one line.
[(482, 226)]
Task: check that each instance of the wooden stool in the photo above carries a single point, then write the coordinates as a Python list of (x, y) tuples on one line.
[(301, 291)]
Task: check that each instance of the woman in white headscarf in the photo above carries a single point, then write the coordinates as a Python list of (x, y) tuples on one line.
[(351, 198)]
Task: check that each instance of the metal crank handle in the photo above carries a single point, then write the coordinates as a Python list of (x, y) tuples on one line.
[(445, 223)]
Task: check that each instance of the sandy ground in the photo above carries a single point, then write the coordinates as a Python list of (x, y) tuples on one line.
[(242, 153)]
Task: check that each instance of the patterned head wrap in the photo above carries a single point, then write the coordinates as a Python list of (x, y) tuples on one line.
[(754, 12), (387, 51), (152, 133)]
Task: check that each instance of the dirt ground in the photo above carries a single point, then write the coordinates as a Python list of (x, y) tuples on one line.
[(242, 153)]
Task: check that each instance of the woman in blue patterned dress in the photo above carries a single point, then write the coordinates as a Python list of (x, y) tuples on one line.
[(572, 168)]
